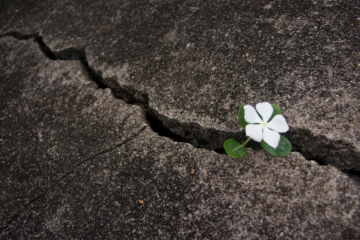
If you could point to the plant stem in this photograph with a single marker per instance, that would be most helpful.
(247, 140)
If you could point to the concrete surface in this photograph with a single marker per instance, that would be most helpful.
(80, 142)
(198, 61)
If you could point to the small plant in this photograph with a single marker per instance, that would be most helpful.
(263, 125)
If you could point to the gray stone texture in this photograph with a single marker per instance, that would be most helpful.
(76, 159)
(198, 61)
(53, 120)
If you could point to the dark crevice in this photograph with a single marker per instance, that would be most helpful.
(19, 36)
(296, 148)
(45, 49)
(317, 160)
(80, 55)
(159, 127)
(189, 132)
(354, 175)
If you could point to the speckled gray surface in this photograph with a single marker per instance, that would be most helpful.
(198, 61)
(76, 160)
(52, 120)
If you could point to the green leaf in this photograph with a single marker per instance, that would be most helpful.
(282, 150)
(241, 115)
(234, 148)
(276, 111)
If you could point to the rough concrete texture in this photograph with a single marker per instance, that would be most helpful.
(76, 162)
(198, 61)
(53, 119)
(81, 161)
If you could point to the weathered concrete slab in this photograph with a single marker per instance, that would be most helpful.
(198, 61)
(76, 161)
(52, 120)
(256, 198)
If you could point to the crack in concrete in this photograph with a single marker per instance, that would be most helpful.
(73, 169)
(86, 160)
(189, 132)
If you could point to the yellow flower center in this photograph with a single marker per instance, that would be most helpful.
(264, 123)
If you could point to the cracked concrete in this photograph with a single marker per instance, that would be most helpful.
(193, 133)
(76, 160)
(199, 61)
(42, 119)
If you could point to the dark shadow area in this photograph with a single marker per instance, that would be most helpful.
(19, 36)
(158, 127)
(353, 174)
(45, 49)
(296, 148)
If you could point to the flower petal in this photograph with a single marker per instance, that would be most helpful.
(278, 123)
(265, 109)
(271, 137)
(254, 131)
(251, 115)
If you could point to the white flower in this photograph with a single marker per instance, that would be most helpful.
(258, 129)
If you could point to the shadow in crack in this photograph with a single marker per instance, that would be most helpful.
(157, 126)
(354, 176)
(296, 148)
